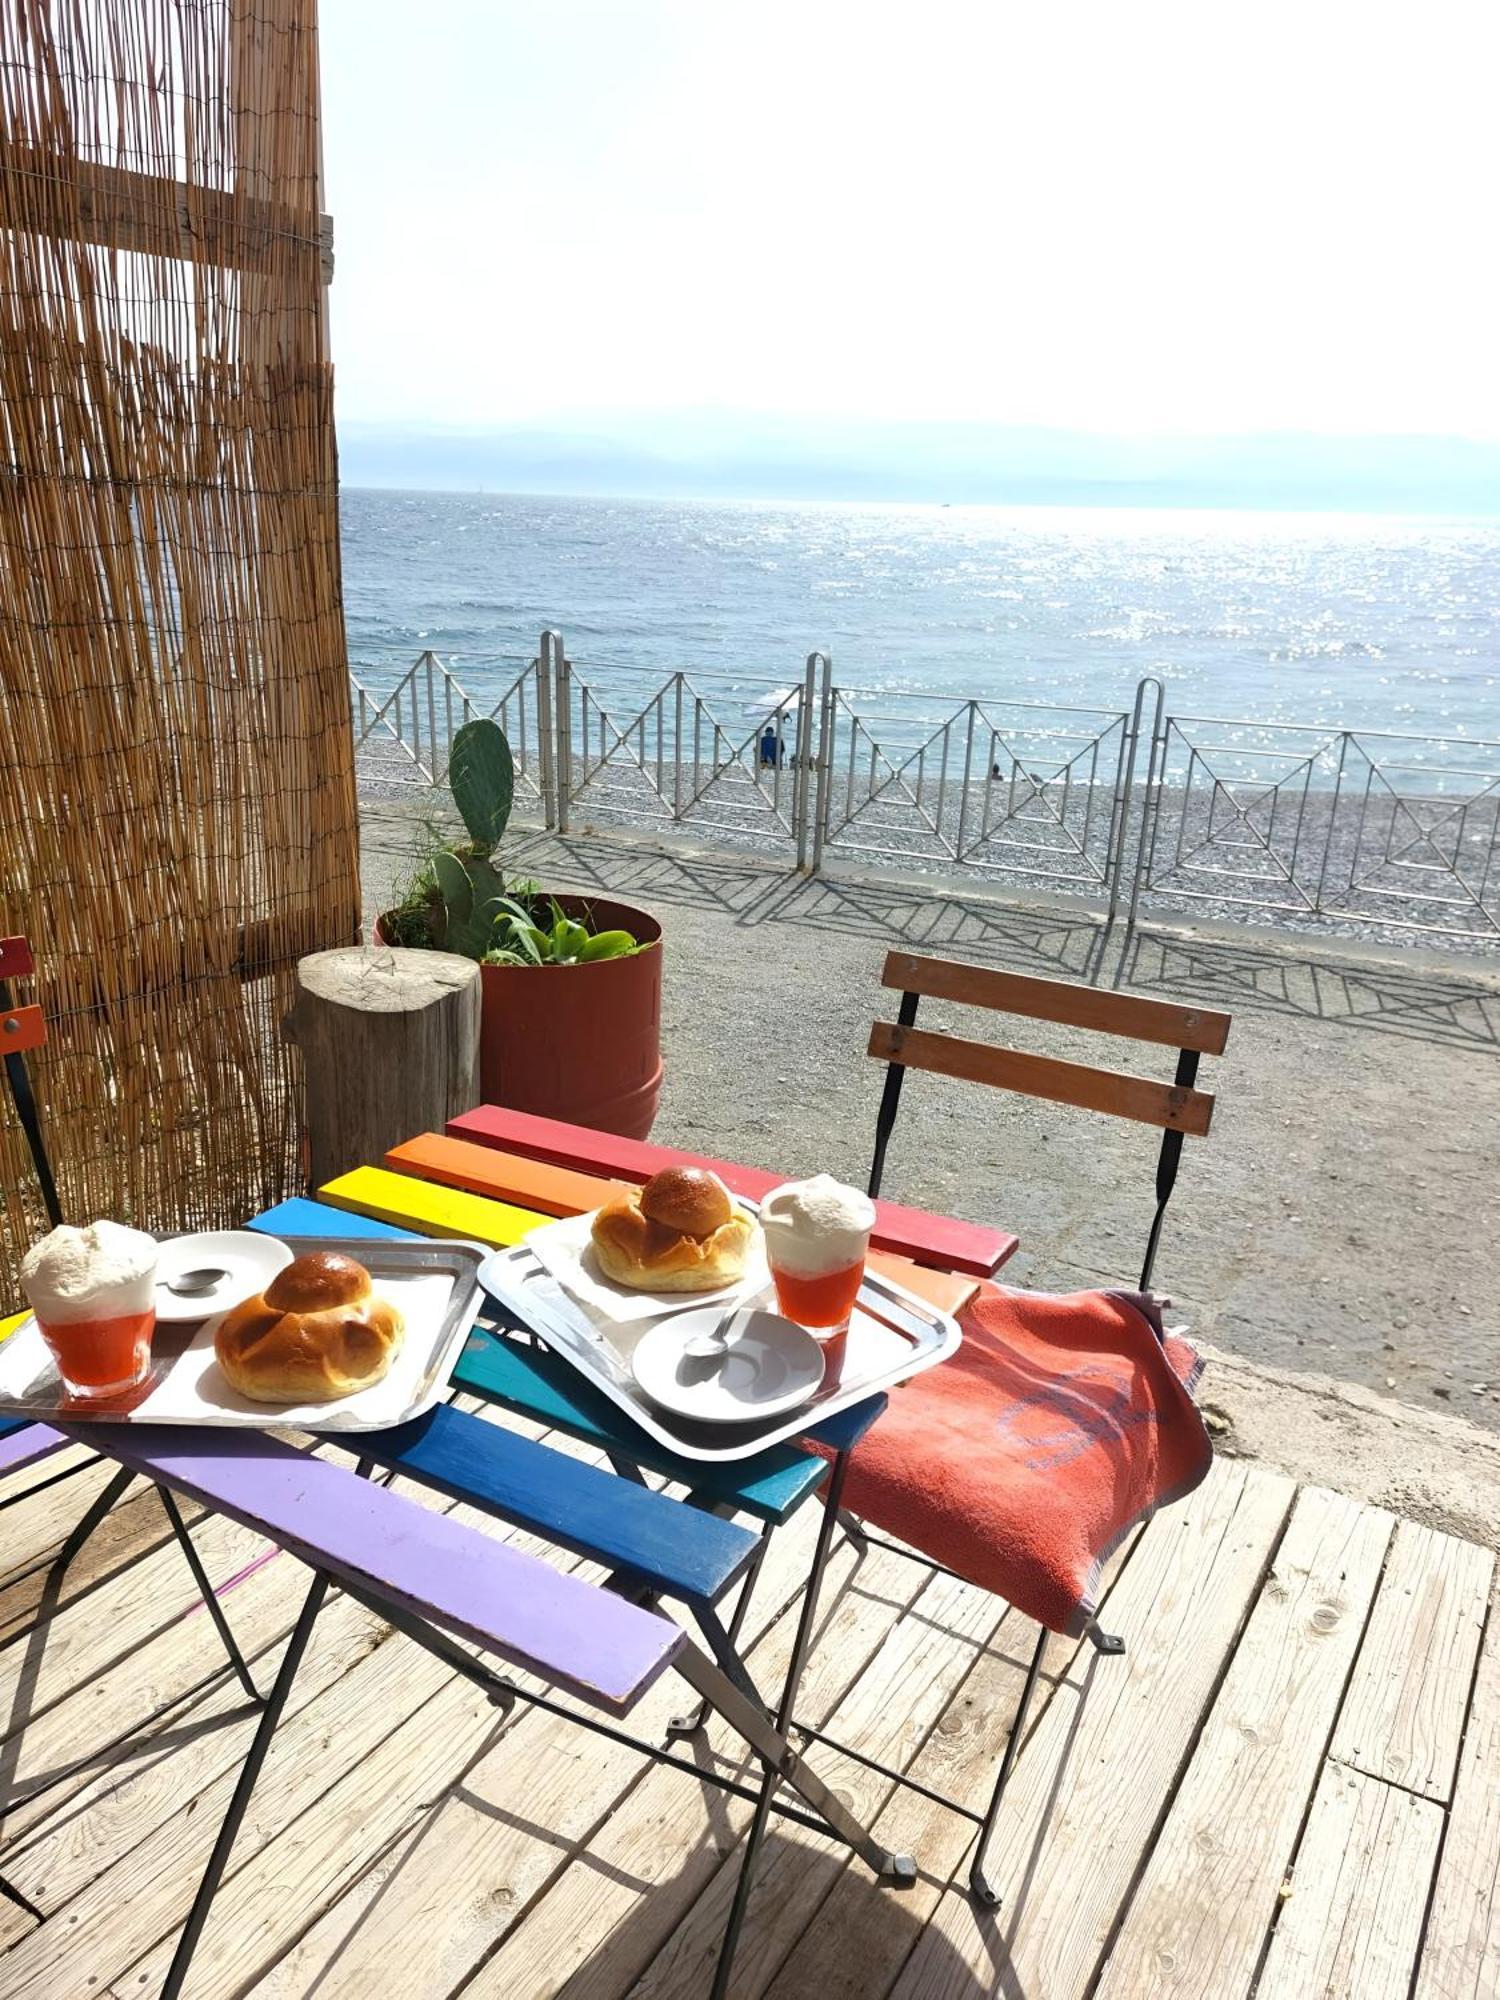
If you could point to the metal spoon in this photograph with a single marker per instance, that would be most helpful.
(193, 1284)
(713, 1345)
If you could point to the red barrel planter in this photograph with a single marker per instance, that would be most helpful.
(578, 1042)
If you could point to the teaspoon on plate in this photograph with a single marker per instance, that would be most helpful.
(193, 1284)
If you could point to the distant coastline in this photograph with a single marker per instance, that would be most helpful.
(709, 456)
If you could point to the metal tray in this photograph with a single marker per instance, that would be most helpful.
(894, 1335)
(30, 1386)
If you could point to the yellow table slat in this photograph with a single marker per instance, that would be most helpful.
(9, 1325)
(430, 1209)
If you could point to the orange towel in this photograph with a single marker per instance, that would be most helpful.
(1022, 1461)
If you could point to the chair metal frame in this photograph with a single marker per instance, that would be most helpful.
(1179, 1108)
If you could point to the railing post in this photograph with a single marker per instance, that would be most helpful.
(562, 702)
(802, 793)
(677, 749)
(545, 748)
(1145, 847)
(824, 763)
(429, 661)
(963, 796)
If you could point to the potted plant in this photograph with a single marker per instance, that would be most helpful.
(571, 1022)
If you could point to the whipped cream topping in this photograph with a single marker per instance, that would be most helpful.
(816, 1225)
(102, 1272)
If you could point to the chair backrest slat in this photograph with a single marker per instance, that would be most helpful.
(1174, 1107)
(1200, 1028)
(21, 1028)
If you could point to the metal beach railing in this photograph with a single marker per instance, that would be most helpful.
(1136, 807)
(1324, 824)
(403, 736)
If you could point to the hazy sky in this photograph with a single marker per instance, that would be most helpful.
(1137, 215)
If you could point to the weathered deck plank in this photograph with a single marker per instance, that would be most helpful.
(1403, 1716)
(492, 1843)
(1199, 1920)
(887, 1713)
(1083, 1803)
(541, 1863)
(860, 1937)
(611, 1911)
(1461, 1951)
(1353, 1921)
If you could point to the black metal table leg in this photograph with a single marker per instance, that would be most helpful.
(207, 1593)
(85, 1525)
(250, 1771)
(693, 1721)
(900, 1868)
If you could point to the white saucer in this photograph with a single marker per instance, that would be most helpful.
(250, 1259)
(772, 1365)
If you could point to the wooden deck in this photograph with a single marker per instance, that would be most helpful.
(1288, 1786)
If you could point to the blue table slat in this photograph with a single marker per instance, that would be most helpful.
(673, 1548)
(299, 1217)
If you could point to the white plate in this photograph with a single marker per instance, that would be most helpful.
(771, 1366)
(249, 1259)
(566, 1248)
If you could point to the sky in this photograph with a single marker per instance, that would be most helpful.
(1145, 218)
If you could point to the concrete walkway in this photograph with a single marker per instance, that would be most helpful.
(1341, 1219)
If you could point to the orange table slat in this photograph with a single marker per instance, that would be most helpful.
(503, 1176)
(908, 1232)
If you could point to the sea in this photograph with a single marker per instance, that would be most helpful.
(1365, 622)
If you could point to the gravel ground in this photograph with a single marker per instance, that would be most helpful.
(1340, 1219)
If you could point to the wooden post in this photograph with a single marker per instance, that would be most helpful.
(390, 1047)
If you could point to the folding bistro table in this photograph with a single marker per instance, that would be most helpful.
(441, 1582)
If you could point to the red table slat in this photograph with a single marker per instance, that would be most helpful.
(909, 1232)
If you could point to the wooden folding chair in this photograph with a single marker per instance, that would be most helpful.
(1179, 1108)
(23, 1028)
(22, 1443)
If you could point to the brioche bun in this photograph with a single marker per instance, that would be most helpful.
(679, 1233)
(316, 1333)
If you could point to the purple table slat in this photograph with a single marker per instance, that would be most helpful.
(25, 1446)
(556, 1626)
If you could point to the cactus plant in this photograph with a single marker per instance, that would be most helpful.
(482, 778)
(458, 901)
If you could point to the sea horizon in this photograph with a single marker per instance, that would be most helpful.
(1219, 510)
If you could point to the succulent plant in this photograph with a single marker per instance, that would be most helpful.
(458, 900)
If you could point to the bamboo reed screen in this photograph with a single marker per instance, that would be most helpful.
(177, 816)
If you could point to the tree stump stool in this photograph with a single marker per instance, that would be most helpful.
(390, 1048)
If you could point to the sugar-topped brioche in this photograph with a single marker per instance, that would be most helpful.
(681, 1232)
(316, 1333)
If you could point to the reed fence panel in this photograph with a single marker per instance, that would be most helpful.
(177, 800)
